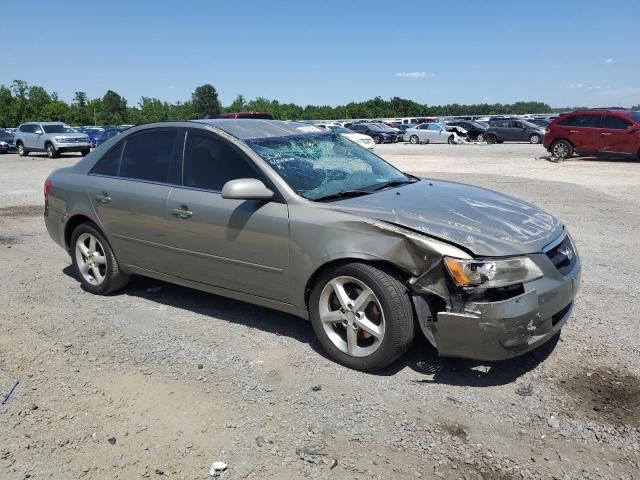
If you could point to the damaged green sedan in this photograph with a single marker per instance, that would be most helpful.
(291, 217)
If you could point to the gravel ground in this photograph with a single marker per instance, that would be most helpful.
(159, 381)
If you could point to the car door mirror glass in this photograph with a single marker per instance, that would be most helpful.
(246, 189)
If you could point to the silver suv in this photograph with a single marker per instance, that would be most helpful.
(51, 137)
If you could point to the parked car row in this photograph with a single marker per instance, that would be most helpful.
(54, 138)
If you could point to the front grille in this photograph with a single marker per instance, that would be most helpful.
(560, 315)
(563, 255)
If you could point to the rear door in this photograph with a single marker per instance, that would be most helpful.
(129, 188)
(582, 130)
(615, 138)
(501, 129)
(241, 245)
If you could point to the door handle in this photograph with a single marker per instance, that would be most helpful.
(574, 131)
(103, 198)
(182, 212)
(605, 133)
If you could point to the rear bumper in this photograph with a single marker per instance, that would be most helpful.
(505, 329)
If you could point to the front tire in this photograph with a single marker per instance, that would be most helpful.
(94, 262)
(377, 139)
(491, 139)
(562, 149)
(535, 139)
(21, 150)
(362, 315)
(51, 151)
(480, 138)
(85, 152)
(450, 140)
(414, 139)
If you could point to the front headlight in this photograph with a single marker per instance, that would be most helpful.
(492, 273)
(4, 144)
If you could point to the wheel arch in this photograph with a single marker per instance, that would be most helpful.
(73, 222)
(562, 138)
(359, 258)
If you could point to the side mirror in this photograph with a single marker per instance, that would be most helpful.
(246, 189)
(38, 132)
(633, 129)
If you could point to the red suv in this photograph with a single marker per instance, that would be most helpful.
(612, 132)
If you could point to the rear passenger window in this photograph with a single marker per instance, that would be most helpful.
(615, 123)
(210, 162)
(590, 121)
(151, 156)
(110, 163)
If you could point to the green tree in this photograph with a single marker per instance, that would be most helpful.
(204, 102)
(7, 118)
(238, 105)
(114, 108)
(79, 112)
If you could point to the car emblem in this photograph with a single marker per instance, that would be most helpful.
(568, 252)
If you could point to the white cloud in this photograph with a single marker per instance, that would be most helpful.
(609, 60)
(415, 74)
(576, 85)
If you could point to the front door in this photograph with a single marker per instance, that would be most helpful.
(241, 245)
(583, 130)
(615, 138)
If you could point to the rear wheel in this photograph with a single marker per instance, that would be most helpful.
(414, 139)
(94, 262)
(491, 139)
(21, 150)
(51, 151)
(562, 149)
(480, 138)
(535, 138)
(362, 316)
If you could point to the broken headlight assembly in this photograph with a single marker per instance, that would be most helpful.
(492, 273)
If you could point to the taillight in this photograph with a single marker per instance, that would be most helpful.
(547, 131)
(47, 188)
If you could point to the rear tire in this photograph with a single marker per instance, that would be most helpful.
(414, 139)
(562, 149)
(480, 138)
(491, 139)
(386, 315)
(94, 262)
(51, 151)
(23, 152)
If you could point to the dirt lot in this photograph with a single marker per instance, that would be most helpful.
(159, 381)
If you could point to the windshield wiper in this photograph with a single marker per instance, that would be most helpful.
(343, 194)
(394, 183)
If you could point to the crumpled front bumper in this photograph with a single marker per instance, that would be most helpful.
(507, 328)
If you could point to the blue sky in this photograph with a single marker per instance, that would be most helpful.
(566, 53)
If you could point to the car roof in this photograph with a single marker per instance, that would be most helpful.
(248, 128)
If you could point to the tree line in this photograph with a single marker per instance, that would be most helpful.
(21, 102)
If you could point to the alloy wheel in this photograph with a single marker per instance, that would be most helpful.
(560, 150)
(534, 139)
(91, 259)
(352, 316)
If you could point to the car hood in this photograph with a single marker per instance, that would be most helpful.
(356, 136)
(484, 222)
